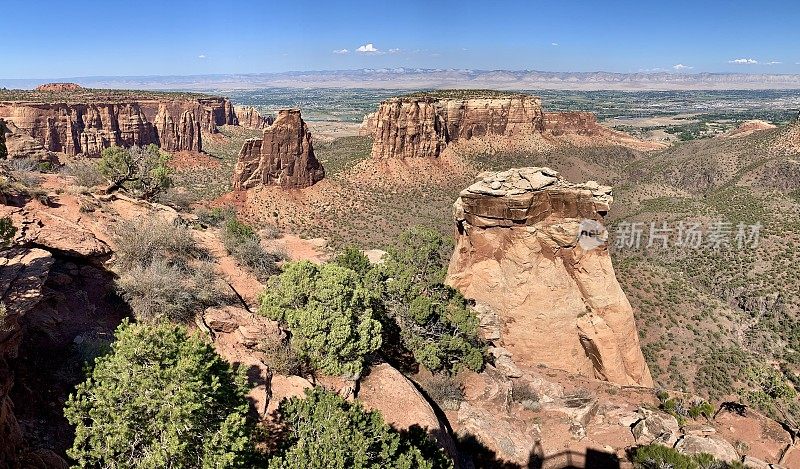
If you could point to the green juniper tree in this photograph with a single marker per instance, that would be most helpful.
(323, 431)
(161, 398)
(329, 313)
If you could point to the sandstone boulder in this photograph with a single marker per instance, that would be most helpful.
(385, 389)
(284, 156)
(237, 336)
(656, 427)
(715, 446)
(526, 248)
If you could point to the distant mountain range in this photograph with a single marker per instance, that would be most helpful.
(404, 78)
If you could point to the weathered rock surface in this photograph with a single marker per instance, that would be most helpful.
(250, 117)
(655, 427)
(717, 447)
(22, 275)
(87, 125)
(21, 145)
(238, 337)
(518, 253)
(423, 127)
(284, 156)
(385, 389)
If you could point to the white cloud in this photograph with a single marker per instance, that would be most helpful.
(341, 51)
(682, 67)
(394, 51)
(367, 48)
(743, 61)
(554, 44)
(201, 56)
(774, 62)
(657, 69)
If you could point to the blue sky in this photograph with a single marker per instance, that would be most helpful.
(46, 39)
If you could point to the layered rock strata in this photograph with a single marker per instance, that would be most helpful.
(250, 117)
(423, 127)
(93, 124)
(520, 252)
(284, 156)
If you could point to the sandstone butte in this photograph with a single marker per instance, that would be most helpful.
(408, 127)
(557, 304)
(87, 123)
(283, 156)
(423, 126)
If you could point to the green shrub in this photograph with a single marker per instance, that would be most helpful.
(352, 258)
(656, 456)
(435, 322)
(142, 172)
(323, 431)
(7, 231)
(161, 398)
(329, 313)
(242, 242)
(215, 216)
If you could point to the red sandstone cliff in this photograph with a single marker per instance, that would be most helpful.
(557, 300)
(423, 127)
(284, 156)
(89, 125)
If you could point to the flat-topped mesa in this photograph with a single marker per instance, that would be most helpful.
(423, 125)
(530, 246)
(284, 156)
(250, 117)
(58, 87)
(89, 121)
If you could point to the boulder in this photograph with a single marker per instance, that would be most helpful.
(285, 387)
(715, 446)
(655, 427)
(511, 439)
(538, 259)
(385, 389)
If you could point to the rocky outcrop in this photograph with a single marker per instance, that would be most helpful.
(284, 156)
(530, 246)
(385, 389)
(22, 275)
(20, 145)
(249, 117)
(581, 123)
(89, 124)
(411, 127)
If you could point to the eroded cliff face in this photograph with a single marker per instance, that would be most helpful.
(284, 156)
(557, 300)
(423, 127)
(91, 126)
(250, 117)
